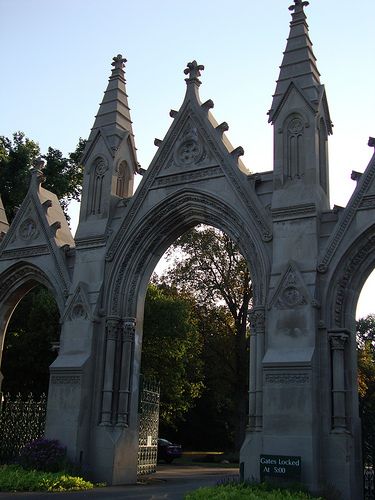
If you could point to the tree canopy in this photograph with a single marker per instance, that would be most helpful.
(171, 351)
(209, 265)
(63, 176)
(366, 385)
(28, 353)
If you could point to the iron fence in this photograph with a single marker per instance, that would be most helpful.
(148, 427)
(22, 419)
(369, 484)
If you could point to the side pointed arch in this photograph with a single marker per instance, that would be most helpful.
(347, 279)
(16, 282)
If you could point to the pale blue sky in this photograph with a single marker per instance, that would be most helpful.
(56, 60)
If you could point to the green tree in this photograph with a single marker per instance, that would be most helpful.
(212, 422)
(28, 352)
(35, 322)
(366, 385)
(209, 265)
(171, 352)
(63, 176)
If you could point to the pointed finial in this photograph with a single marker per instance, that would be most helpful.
(36, 170)
(119, 62)
(193, 70)
(298, 6)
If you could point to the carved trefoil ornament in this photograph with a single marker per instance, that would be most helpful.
(189, 149)
(291, 291)
(28, 229)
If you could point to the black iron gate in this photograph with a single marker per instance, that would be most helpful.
(369, 486)
(149, 402)
(22, 419)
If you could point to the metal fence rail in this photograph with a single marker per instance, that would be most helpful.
(148, 427)
(21, 420)
(369, 484)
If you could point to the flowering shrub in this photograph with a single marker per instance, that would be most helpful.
(43, 454)
(14, 478)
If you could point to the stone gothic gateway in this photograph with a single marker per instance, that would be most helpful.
(308, 264)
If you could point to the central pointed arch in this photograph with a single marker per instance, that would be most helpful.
(135, 259)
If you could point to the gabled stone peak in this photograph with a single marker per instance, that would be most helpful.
(193, 70)
(299, 63)
(113, 120)
(49, 209)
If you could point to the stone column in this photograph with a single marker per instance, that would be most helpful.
(257, 321)
(252, 372)
(126, 370)
(112, 335)
(338, 340)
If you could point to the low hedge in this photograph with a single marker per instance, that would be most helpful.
(246, 492)
(16, 478)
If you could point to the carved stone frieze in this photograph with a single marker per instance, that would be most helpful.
(294, 212)
(65, 379)
(186, 177)
(21, 253)
(287, 378)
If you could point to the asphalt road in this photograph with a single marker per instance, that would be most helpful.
(171, 482)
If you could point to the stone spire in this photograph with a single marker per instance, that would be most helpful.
(299, 63)
(109, 159)
(113, 118)
(301, 121)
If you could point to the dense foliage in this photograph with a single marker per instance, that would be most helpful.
(28, 353)
(63, 176)
(207, 264)
(366, 385)
(171, 351)
(15, 478)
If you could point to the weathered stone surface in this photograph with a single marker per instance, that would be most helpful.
(308, 264)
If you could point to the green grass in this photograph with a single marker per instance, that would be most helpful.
(246, 492)
(15, 478)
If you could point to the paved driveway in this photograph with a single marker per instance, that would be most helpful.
(171, 482)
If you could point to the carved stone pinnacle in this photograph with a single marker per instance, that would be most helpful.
(119, 62)
(193, 70)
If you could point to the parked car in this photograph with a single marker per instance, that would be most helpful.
(167, 451)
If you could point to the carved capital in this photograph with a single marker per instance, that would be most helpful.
(338, 340)
(113, 328)
(128, 330)
(257, 319)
